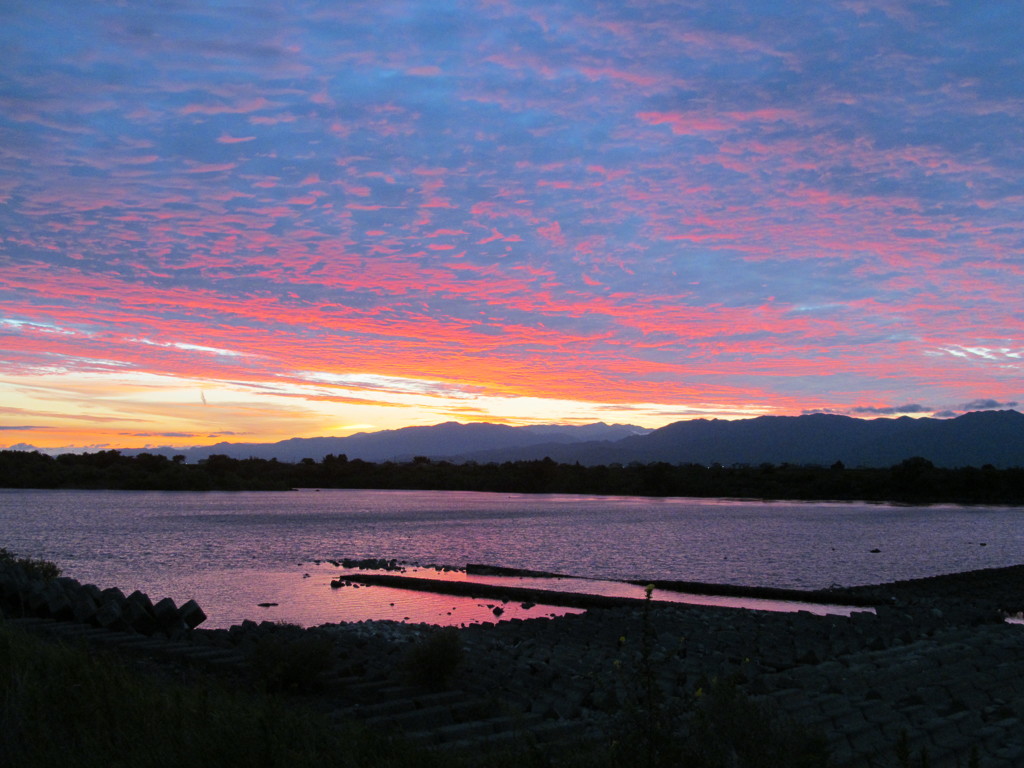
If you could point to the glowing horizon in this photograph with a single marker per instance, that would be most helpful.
(270, 222)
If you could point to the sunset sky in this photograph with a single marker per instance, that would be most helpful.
(252, 221)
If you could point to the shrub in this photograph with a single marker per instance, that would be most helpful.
(60, 705)
(730, 729)
(432, 661)
(33, 568)
(296, 663)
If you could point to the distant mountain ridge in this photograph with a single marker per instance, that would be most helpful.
(439, 441)
(974, 439)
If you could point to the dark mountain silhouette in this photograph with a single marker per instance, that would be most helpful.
(974, 439)
(438, 441)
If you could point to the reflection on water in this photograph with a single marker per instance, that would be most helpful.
(304, 596)
(610, 588)
(232, 551)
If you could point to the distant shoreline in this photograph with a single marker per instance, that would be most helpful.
(913, 481)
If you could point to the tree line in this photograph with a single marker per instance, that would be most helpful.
(915, 480)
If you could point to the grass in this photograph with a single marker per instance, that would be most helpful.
(433, 660)
(294, 663)
(720, 727)
(61, 706)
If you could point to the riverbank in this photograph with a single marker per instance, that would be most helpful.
(935, 672)
(913, 480)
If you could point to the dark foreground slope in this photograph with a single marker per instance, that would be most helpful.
(934, 677)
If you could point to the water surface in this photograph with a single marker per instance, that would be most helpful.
(232, 551)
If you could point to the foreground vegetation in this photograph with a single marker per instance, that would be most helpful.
(60, 706)
(914, 480)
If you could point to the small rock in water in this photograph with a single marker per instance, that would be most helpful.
(497, 611)
(266, 605)
(875, 551)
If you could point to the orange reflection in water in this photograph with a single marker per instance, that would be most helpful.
(610, 588)
(305, 597)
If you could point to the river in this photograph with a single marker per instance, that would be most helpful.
(234, 551)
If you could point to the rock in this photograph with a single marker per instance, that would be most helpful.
(34, 598)
(142, 599)
(83, 608)
(193, 615)
(111, 616)
(168, 618)
(57, 604)
(139, 615)
(69, 585)
(94, 592)
(164, 609)
(113, 593)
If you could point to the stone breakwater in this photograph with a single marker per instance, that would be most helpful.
(951, 681)
(66, 599)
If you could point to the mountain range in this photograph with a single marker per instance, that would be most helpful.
(450, 440)
(973, 439)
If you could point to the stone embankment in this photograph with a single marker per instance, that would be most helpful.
(950, 682)
(66, 599)
(935, 672)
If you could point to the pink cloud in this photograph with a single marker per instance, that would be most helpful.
(424, 71)
(227, 139)
(682, 123)
(245, 106)
(194, 167)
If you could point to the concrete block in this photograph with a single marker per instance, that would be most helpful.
(192, 614)
(110, 615)
(139, 617)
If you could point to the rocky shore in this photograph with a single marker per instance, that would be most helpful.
(935, 672)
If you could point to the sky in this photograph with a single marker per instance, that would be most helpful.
(249, 221)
